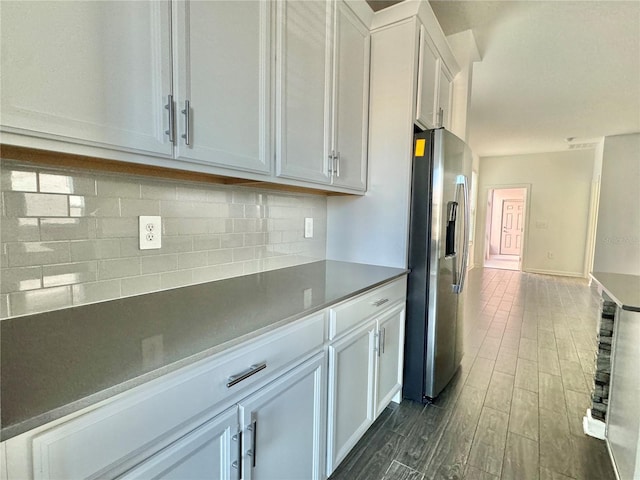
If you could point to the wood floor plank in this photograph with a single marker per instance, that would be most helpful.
(403, 418)
(566, 349)
(418, 448)
(573, 376)
(556, 451)
(546, 474)
(551, 394)
(487, 450)
(523, 419)
(530, 329)
(577, 404)
(520, 459)
(592, 459)
(473, 473)
(500, 391)
(527, 375)
(489, 348)
(528, 349)
(547, 339)
(548, 361)
(480, 374)
(397, 471)
(506, 363)
(451, 454)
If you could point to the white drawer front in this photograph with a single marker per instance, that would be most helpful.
(104, 442)
(350, 313)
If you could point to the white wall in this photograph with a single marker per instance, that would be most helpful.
(558, 207)
(618, 233)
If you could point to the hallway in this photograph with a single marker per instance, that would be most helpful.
(514, 409)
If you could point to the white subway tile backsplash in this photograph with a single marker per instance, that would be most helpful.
(119, 268)
(192, 260)
(20, 278)
(117, 227)
(94, 249)
(19, 229)
(37, 253)
(139, 285)
(18, 204)
(84, 206)
(34, 301)
(118, 187)
(206, 242)
(18, 180)
(54, 183)
(159, 263)
(75, 234)
(216, 257)
(69, 273)
(135, 207)
(67, 228)
(96, 291)
(175, 279)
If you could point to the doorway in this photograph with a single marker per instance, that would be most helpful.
(505, 228)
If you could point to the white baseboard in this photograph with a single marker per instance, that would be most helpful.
(592, 427)
(553, 272)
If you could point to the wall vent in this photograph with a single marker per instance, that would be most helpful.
(582, 146)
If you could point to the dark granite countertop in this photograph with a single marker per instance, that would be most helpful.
(623, 289)
(55, 363)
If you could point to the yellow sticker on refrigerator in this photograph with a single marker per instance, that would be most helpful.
(420, 147)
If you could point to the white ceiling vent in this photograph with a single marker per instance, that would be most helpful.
(581, 143)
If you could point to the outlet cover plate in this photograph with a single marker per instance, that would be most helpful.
(150, 230)
(308, 227)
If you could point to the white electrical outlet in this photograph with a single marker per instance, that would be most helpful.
(308, 227)
(150, 232)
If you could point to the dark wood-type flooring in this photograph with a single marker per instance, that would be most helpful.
(514, 409)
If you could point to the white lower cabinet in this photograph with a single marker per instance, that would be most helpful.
(282, 436)
(209, 452)
(365, 366)
(390, 357)
(351, 388)
(283, 426)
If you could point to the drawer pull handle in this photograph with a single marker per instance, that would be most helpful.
(252, 370)
(381, 302)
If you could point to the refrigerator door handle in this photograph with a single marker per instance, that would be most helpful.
(462, 181)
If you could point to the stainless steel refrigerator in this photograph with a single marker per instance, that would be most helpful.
(438, 251)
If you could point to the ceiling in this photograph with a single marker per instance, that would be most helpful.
(550, 70)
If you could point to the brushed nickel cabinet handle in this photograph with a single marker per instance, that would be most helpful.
(382, 301)
(187, 122)
(170, 108)
(239, 377)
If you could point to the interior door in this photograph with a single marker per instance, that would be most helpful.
(511, 236)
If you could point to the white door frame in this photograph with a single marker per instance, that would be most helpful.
(485, 238)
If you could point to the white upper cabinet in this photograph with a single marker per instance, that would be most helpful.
(444, 97)
(428, 77)
(433, 107)
(351, 100)
(222, 83)
(322, 94)
(304, 90)
(96, 73)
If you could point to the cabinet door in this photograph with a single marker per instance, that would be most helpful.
(351, 386)
(428, 76)
(96, 73)
(304, 90)
(223, 68)
(444, 97)
(390, 356)
(351, 99)
(283, 434)
(209, 452)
